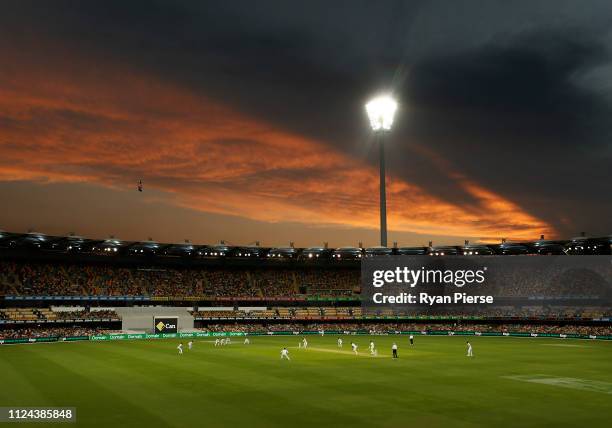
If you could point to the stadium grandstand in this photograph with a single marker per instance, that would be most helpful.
(58, 287)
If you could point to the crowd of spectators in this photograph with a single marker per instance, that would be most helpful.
(381, 328)
(47, 314)
(107, 280)
(59, 332)
(59, 279)
(85, 314)
(531, 311)
(344, 281)
(66, 279)
(556, 279)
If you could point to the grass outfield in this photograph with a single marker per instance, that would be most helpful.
(509, 382)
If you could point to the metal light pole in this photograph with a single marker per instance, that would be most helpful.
(383, 193)
(381, 111)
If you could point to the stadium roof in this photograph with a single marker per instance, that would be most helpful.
(78, 243)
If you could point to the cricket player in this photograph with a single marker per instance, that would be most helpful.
(411, 339)
(339, 342)
(285, 354)
(217, 342)
(469, 349)
(247, 341)
(372, 347)
(354, 347)
(180, 348)
(394, 350)
(305, 343)
(190, 345)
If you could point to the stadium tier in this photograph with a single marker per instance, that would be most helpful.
(48, 315)
(58, 322)
(92, 279)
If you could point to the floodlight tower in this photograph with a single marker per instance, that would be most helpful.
(381, 111)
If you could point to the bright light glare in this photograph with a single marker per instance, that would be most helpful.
(381, 111)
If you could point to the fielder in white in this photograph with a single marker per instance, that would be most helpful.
(339, 342)
(189, 345)
(469, 349)
(217, 342)
(247, 341)
(372, 347)
(305, 343)
(285, 354)
(354, 347)
(180, 348)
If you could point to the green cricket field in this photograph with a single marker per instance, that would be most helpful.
(509, 382)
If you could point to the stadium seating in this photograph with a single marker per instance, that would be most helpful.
(108, 280)
(319, 295)
(46, 314)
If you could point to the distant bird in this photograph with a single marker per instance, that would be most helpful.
(140, 186)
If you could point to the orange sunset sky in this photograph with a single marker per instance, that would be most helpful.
(84, 117)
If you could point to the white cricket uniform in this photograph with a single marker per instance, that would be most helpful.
(354, 346)
(180, 349)
(216, 342)
(371, 347)
(305, 343)
(285, 354)
(469, 350)
(339, 343)
(190, 345)
(247, 341)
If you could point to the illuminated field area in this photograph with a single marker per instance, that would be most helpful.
(509, 382)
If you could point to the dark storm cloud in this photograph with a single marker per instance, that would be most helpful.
(490, 91)
(514, 118)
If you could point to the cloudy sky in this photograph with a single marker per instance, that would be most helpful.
(245, 119)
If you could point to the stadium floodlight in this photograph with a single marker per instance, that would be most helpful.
(381, 111)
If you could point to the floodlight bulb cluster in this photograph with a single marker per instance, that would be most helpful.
(381, 111)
